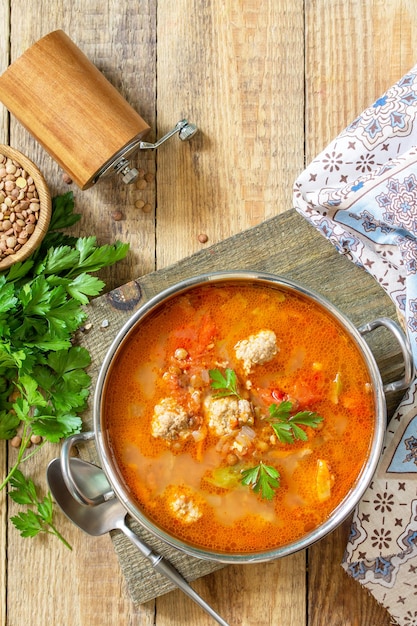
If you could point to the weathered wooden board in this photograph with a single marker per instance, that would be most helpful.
(286, 245)
(4, 57)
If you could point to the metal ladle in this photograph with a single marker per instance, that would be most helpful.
(110, 515)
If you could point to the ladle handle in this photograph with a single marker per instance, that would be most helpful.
(68, 476)
(168, 570)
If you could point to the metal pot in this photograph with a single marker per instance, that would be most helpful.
(120, 491)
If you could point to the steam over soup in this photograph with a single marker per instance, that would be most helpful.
(239, 416)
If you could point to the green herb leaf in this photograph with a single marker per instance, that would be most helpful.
(18, 270)
(10, 359)
(287, 426)
(8, 424)
(23, 489)
(63, 362)
(45, 508)
(227, 384)
(62, 212)
(29, 522)
(56, 427)
(7, 296)
(41, 307)
(263, 479)
(29, 389)
(84, 286)
(59, 259)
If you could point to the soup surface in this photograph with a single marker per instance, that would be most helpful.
(239, 416)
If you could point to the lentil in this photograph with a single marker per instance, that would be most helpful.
(141, 184)
(19, 206)
(202, 238)
(16, 441)
(181, 354)
(117, 216)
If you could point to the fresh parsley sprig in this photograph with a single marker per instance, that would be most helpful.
(227, 384)
(43, 383)
(263, 479)
(287, 426)
(38, 517)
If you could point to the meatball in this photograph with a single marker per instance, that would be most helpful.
(226, 414)
(256, 349)
(184, 508)
(171, 421)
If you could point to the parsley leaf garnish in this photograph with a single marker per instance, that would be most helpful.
(43, 383)
(287, 426)
(227, 384)
(264, 479)
(38, 519)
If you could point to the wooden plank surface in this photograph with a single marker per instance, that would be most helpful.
(4, 60)
(233, 68)
(269, 83)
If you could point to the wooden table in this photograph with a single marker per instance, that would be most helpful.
(269, 83)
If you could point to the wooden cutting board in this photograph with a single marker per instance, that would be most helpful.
(285, 245)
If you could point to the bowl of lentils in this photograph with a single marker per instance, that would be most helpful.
(25, 207)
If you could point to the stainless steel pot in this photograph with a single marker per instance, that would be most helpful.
(120, 491)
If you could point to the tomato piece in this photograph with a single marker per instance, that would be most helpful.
(269, 396)
(195, 337)
(309, 391)
(206, 332)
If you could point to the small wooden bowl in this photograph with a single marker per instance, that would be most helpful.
(45, 208)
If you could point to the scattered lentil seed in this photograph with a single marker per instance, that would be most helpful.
(139, 204)
(16, 441)
(149, 177)
(147, 208)
(202, 238)
(66, 178)
(141, 184)
(18, 193)
(117, 216)
(36, 439)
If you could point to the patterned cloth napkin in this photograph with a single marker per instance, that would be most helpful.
(361, 193)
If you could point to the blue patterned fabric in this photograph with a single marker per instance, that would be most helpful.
(361, 194)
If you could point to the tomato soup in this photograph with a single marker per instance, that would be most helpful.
(239, 416)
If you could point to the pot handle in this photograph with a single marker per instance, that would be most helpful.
(390, 325)
(67, 474)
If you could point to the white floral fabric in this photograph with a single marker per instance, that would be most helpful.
(361, 194)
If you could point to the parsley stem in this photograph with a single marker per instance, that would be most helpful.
(23, 446)
(34, 451)
(20, 458)
(55, 531)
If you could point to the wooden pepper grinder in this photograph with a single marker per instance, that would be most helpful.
(73, 111)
